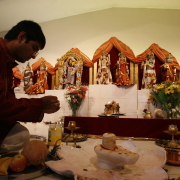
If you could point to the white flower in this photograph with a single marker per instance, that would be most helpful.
(173, 110)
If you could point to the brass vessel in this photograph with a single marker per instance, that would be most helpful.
(173, 130)
(173, 156)
(148, 112)
(148, 115)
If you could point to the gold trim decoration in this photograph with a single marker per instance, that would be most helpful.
(132, 72)
(136, 76)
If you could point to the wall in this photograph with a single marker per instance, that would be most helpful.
(137, 28)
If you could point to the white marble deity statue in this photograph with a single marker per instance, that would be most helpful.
(27, 74)
(104, 74)
(149, 73)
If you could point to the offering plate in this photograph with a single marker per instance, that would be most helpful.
(70, 138)
(30, 172)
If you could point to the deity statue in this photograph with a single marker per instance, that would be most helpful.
(104, 74)
(149, 73)
(71, 72)
(41, 85)
(20, 88)
(121, 69)
(168, 69)
(27, 74)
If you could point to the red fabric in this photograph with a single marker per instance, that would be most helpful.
(126, 127)
(85, 76)
(159, 52)
(12, 109)
(16, 82)
(49, 78)
(114, 42)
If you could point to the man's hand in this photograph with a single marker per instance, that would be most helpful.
(50, 104)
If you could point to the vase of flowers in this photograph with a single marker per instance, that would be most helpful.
(74, 96)
(167, 95)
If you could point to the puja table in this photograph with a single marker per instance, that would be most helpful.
(173, 171)
(125, 127)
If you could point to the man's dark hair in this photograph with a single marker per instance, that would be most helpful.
(32, 29)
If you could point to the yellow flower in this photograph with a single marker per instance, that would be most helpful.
(160, 87)
(169, 105)
(167, 91)
(172, 91)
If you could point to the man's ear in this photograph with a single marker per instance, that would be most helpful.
(22, 36)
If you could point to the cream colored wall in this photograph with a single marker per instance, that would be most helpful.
(137, 28)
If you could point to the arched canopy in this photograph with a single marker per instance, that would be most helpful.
(87, 62)
(36, 66)
(108, 45)
(159, 52)
(17, 73)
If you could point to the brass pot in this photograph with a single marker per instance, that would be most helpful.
(173, 156)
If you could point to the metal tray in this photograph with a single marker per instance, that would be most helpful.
(164, 143)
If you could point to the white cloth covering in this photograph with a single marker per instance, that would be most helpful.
(16, 139)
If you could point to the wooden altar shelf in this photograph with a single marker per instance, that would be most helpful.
(126, 127)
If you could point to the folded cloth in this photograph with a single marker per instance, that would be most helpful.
(4, 165)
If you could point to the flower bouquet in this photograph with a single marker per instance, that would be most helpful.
(167, 95)
(75, 97)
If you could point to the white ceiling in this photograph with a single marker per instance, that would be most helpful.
(13, 11)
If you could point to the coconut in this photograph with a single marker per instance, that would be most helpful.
(35, 151)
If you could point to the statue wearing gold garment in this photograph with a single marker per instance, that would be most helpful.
(104, 74)
(149, 73)
(168, 69)
(122, 71)
(41, 85)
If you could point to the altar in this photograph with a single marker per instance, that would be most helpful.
(131, 125)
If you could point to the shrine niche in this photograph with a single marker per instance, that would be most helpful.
(114, 48)
(159, 55)
(72, 69)
(42, 65)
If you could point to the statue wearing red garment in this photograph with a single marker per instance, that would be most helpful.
(41, 85)
(122, 71)
(168, 69)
